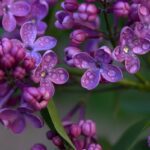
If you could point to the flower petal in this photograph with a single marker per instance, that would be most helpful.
(8, 114)
(132, 64)
(44, 43)
(49, 60)
(46, 83)
(118, 54)
(102, 56)
(58, 75)
(7, 2)
(41, 27)
(111, 73)
(36, 121)
(9, 22)
(18, 125)
(28, 33)
(37, 56)
(142, 48)
(1, 9)
(83, 61)
(20, 8)
(91, 79)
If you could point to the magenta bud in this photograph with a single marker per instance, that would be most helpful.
(29, 63)
(19, 73)
(64, 20)
(94, 147)
(50, 135)
(18, 53)
(38, 147)
(75, 130)
(6, 46)
(79, 144)
(58, 141)
(70, 5)
(87, 12)
(121, 9)
(88, 128)
(78, 36)
(8, 61)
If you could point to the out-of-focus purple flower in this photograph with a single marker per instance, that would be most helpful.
(87, 12)
(46, 74)
(38, 147)
(70, 52)
(94, 147)
(97, 67)
(70, 5)
(9, 9)
(148, 140)
(38, 12)
(28, 34)
(121, 8)
(16, 120)
(130, 45)
(64, 20)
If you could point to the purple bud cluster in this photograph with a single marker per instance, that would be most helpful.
(27, 63)
(82, 134)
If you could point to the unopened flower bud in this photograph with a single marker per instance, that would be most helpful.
(58, 141)
(88, 128)
(148, 140)
(8, 60)
(29, 63)
(38, 147)
(19, 73)
(50, 135)
(64, 20)
(70, 5)
(121, 9)
(75, 130)
(37, 97)
(5, 46)
(94, 147)
(78, 36)
(87, 12)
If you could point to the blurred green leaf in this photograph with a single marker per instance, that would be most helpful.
(141, 145)
(128, 139)
(52, 119)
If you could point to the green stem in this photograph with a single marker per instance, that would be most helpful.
(140, 78)
(108, 25)
(144, 85)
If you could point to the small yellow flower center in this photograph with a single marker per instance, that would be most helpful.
(33, 20)
(43, 74)
(126, 49)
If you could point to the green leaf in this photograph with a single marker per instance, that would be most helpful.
(141, 145)
(128, 139)
(53, 121)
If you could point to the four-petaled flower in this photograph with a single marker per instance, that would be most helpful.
(28, 34)
(46, 74)
(97, 67)
(130, 45)
(15, 120)
(9, 9)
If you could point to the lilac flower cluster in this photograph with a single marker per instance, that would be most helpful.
(82, 133)
(27, 72)
(83, 19)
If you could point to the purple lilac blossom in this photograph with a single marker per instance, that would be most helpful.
(97, 67)
(9, 9)
(28, 35)
(130, 46)
(46, 74)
